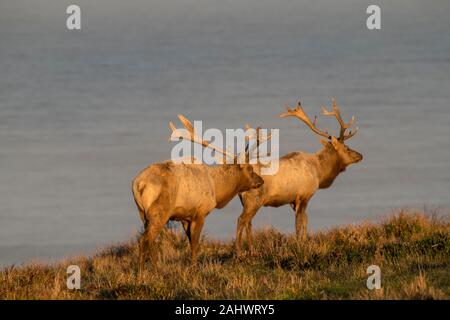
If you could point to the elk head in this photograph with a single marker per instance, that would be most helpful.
(337, 145)
(247, 176)
(249, 179)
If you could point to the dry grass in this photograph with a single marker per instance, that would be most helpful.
(412, 250)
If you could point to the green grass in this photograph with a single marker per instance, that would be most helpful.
(411, 248)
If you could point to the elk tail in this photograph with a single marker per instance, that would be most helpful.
(145, 193)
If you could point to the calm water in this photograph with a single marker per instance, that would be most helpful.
(81, 112)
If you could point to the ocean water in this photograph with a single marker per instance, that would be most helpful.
(82, 112)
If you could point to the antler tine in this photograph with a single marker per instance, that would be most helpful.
(175, 132)
(256, 134)
(350, 134)
(187, 124)
(248, 127)
(194, 138)
(315, 121)
(337, 114)
(299, 113)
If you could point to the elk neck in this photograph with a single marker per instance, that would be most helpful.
(226, 182)
(329, 166)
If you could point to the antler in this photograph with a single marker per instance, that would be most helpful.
(344, 126)
(191, 136)
(300, 114)
(249, 150)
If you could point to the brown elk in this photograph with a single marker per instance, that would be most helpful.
(299, 175)
(186, 192)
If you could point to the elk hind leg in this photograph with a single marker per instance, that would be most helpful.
(187, 228)
(147, 243)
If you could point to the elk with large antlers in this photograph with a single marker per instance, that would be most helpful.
(300, 175)
(186, 192)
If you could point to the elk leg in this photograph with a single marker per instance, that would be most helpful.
(305, 220)
(148, 243)
(301, 220)
(305, 223)
(240, 229)
(245, 221)
(248, 232)
(142, 253)
(187, 229)
(196, 227)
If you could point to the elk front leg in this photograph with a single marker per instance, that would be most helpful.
(245, 221)
(240, 229)
(248, 232)
(195, 228)
(301, 219)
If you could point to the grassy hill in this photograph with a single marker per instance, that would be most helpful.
(412, 249)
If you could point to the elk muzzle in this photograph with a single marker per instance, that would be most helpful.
(357, 157)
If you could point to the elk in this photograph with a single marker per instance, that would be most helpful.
(186, 192)
(299, 175)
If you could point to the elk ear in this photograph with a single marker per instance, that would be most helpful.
(335, 142)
